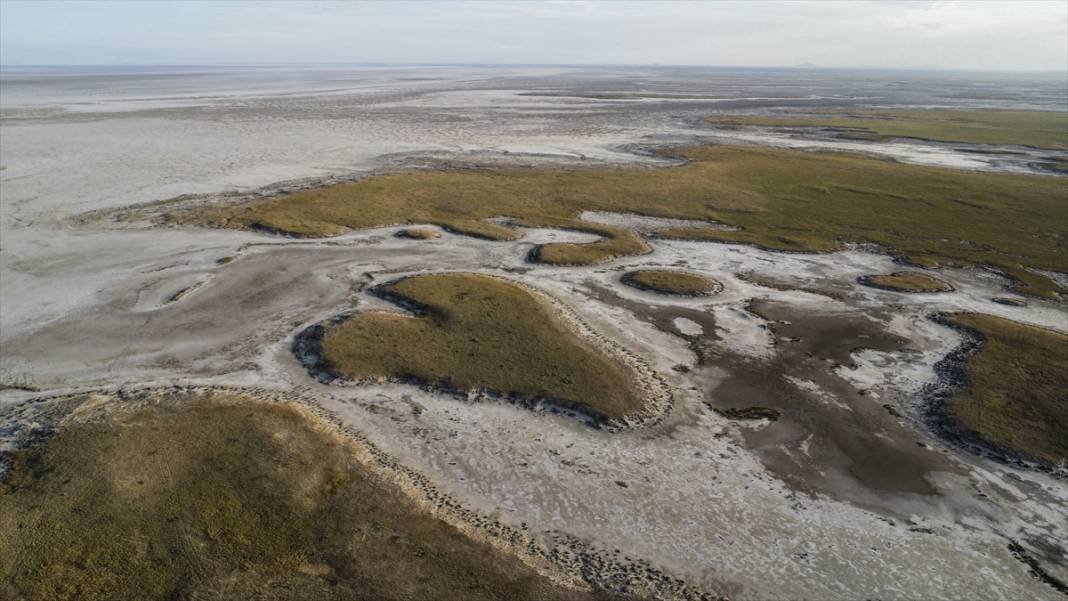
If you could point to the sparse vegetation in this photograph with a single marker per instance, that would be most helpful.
(475, 332)
(26, 387)
(1040, 129)
(418, 233)
(1016, 393)
(671, 282)
(617, 242)
(906, 281)
(229, 499)
(781, 199)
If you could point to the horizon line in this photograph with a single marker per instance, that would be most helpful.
(798, 67)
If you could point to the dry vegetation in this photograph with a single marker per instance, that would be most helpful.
(1040, 129)
(671, 282)
(475, 332)
(1016, 395)
(781, 199)
(748, 413)
(229, 499)
(906, 281)
(418, 233)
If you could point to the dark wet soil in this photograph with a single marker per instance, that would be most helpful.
(663, 317)
(837, 429)
(832, 439)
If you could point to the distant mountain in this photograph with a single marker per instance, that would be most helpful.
(807, 66)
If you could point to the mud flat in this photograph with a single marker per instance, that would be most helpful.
(821, 421)
(559, 476)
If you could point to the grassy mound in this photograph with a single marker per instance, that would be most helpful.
(906, 281)
(228, 499)
(1017, 388)
(475, 332)
(671, 282)
(416, 233)
(781, 199)
(1040, 129)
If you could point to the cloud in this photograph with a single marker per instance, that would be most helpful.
(968, 35)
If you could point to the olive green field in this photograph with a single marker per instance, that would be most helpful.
(480, 333)
(1016, 392)
(665, 281)
(779, 199)
(1039, 129)
(228, 498)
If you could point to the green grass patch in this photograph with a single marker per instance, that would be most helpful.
(1017, 388)
(781, 199)
(1039, 129)
(475, 332)
(666, 281)
(229, 499)
(906, 281)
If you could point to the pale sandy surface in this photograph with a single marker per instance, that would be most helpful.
(90, 305)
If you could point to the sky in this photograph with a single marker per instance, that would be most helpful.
(986, 35)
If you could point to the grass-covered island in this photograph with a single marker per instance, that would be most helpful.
(665, 281)
(418, 233)
(474, 332)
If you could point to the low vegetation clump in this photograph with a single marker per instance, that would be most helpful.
(415, 233)
(480, 333)
(666, 281)
(906, 281)
(779, 199)
(615, 242)
(750, 413)
(229, 499)
(1039, 129)
(1016, 392)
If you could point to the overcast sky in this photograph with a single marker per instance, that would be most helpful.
(967, 35)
